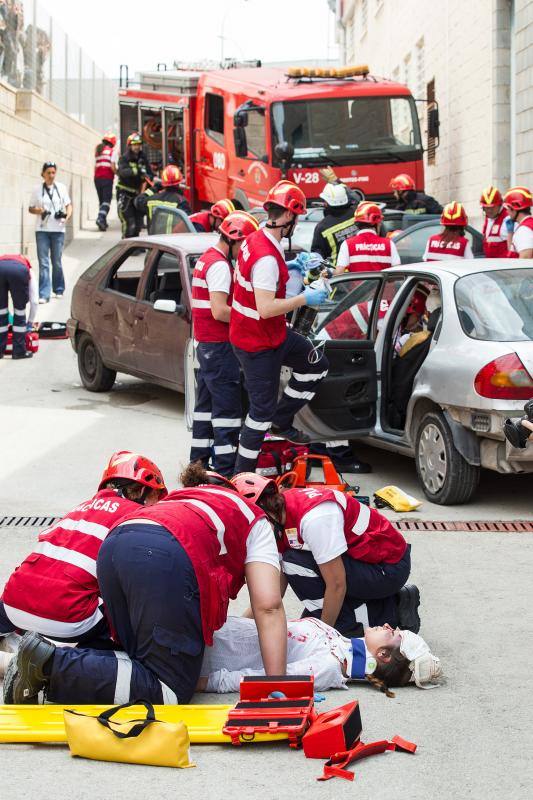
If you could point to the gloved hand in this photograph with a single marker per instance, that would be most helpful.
(304, 262)
(328, 173)
(315, 297)
(509, 225)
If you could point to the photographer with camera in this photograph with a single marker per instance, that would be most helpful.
(51, 204)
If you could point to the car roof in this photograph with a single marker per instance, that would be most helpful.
(188, 242)
(464, 266)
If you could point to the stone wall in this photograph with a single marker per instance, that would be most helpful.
(33, 130)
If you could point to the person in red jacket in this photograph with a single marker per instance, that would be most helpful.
(517, 202)
(217, 411)
(207, 221)
(344, 561)
(104, 175)
(367, 251)
(259, 334)
(495, 224)
(451, 243)
(167, 574)
(55, 591)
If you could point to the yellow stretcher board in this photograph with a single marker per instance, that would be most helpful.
(36, 724)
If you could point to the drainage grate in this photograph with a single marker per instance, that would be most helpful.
(27, 522)
(475, 526)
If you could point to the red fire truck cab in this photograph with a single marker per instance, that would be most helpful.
(235, 132)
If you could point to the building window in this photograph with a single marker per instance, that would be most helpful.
(214, 117)
(432, 142)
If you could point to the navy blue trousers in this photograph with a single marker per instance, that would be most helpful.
(262, 375)
(217, 413)
(104, 189)
(14, 280)
(152, 600)
(370, 589)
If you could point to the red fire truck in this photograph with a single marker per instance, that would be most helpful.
(235, 132)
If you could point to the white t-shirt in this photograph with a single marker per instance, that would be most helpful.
(522, 238)
(265, 271)
(322, 531)
(55, 199)
(343, 259)
(218, 277)
(313, 648)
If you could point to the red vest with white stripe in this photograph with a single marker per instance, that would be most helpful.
(206, 327)
(440, 250)
(247, 330)
(201, 218)
(526, 223)
(103, 163)
(57, 582)
(212, 525)
(494, 237)
(368, 252)
(369, 535)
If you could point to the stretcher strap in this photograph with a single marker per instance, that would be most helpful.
(335, 767)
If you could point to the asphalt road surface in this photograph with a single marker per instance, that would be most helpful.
(474, 733)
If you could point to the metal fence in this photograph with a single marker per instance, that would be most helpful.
(37, 54)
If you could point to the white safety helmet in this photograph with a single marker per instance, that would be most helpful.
(335, 194)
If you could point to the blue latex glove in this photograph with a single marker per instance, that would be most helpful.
(315, 297)
(304, 262)
(319, 697)
(509, 225)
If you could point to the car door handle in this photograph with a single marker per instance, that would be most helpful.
(241, 173)
(357, 359)
(139, 316)
(98, 301)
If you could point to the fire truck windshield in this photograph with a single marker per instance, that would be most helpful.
(349, 130)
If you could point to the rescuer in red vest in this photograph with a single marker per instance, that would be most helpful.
(259, 334)
(345, 561)
(367, 251)
(207, 221)
(104, 174)
(54, 591)
(495, 224)
(17, 280)
(451, 243)
(217, 415)
(166, 574)
(517, 203)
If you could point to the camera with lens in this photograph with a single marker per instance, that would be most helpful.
(305, 316)
(45, 215)
(60, 215)
(514, 430)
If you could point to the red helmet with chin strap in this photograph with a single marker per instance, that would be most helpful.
(222, 208)
(252, 486)
(517, 199)
(238, 225)
(134, 467)
(287, 195)
(402, 183)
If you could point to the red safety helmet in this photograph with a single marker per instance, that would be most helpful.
(134, 467)
(134, 138)
(402, 183)
(417, 304)
(491, 197)
(517, 199)
(454, 214)
(171, 176)
(252, 486)
(238, 225)
(109, 137)
(222, 208)
(287, 195)
(368, 212)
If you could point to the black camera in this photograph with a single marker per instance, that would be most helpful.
(514, 430)
(44, 215)
(60, 215)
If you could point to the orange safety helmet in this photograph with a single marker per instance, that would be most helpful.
(491, 197)
(171, 176)
(134, 138)
(134, 467)
(517, 199)
(252, 486)
(109, 137)
(287, 195)
(402, 183)
(454, 214)
(222, 208)
(238, 225)
(368, 212)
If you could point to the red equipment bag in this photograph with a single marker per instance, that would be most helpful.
(32, 342)
(277, 457)
(333, 731)
(53, 330)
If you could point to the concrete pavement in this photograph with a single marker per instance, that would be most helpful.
(474, 733)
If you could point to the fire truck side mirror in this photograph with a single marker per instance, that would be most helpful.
(241, 145)
(433, 122)
(284, 153)
(240, 118)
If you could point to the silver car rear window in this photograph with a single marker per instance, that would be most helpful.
(497, 306)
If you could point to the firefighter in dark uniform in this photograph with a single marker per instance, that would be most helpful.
(338, 223)
(133, 169)
(15, 277)
(169, 196)
(411, 201)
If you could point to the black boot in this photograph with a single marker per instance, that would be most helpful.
(408, 601)
(26, 354)
(291, 434)
(25, 675)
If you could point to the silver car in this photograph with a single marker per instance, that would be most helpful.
(440, 394)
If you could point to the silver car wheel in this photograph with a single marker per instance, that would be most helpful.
(432, 461)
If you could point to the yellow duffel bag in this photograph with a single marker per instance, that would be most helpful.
(139, 741)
